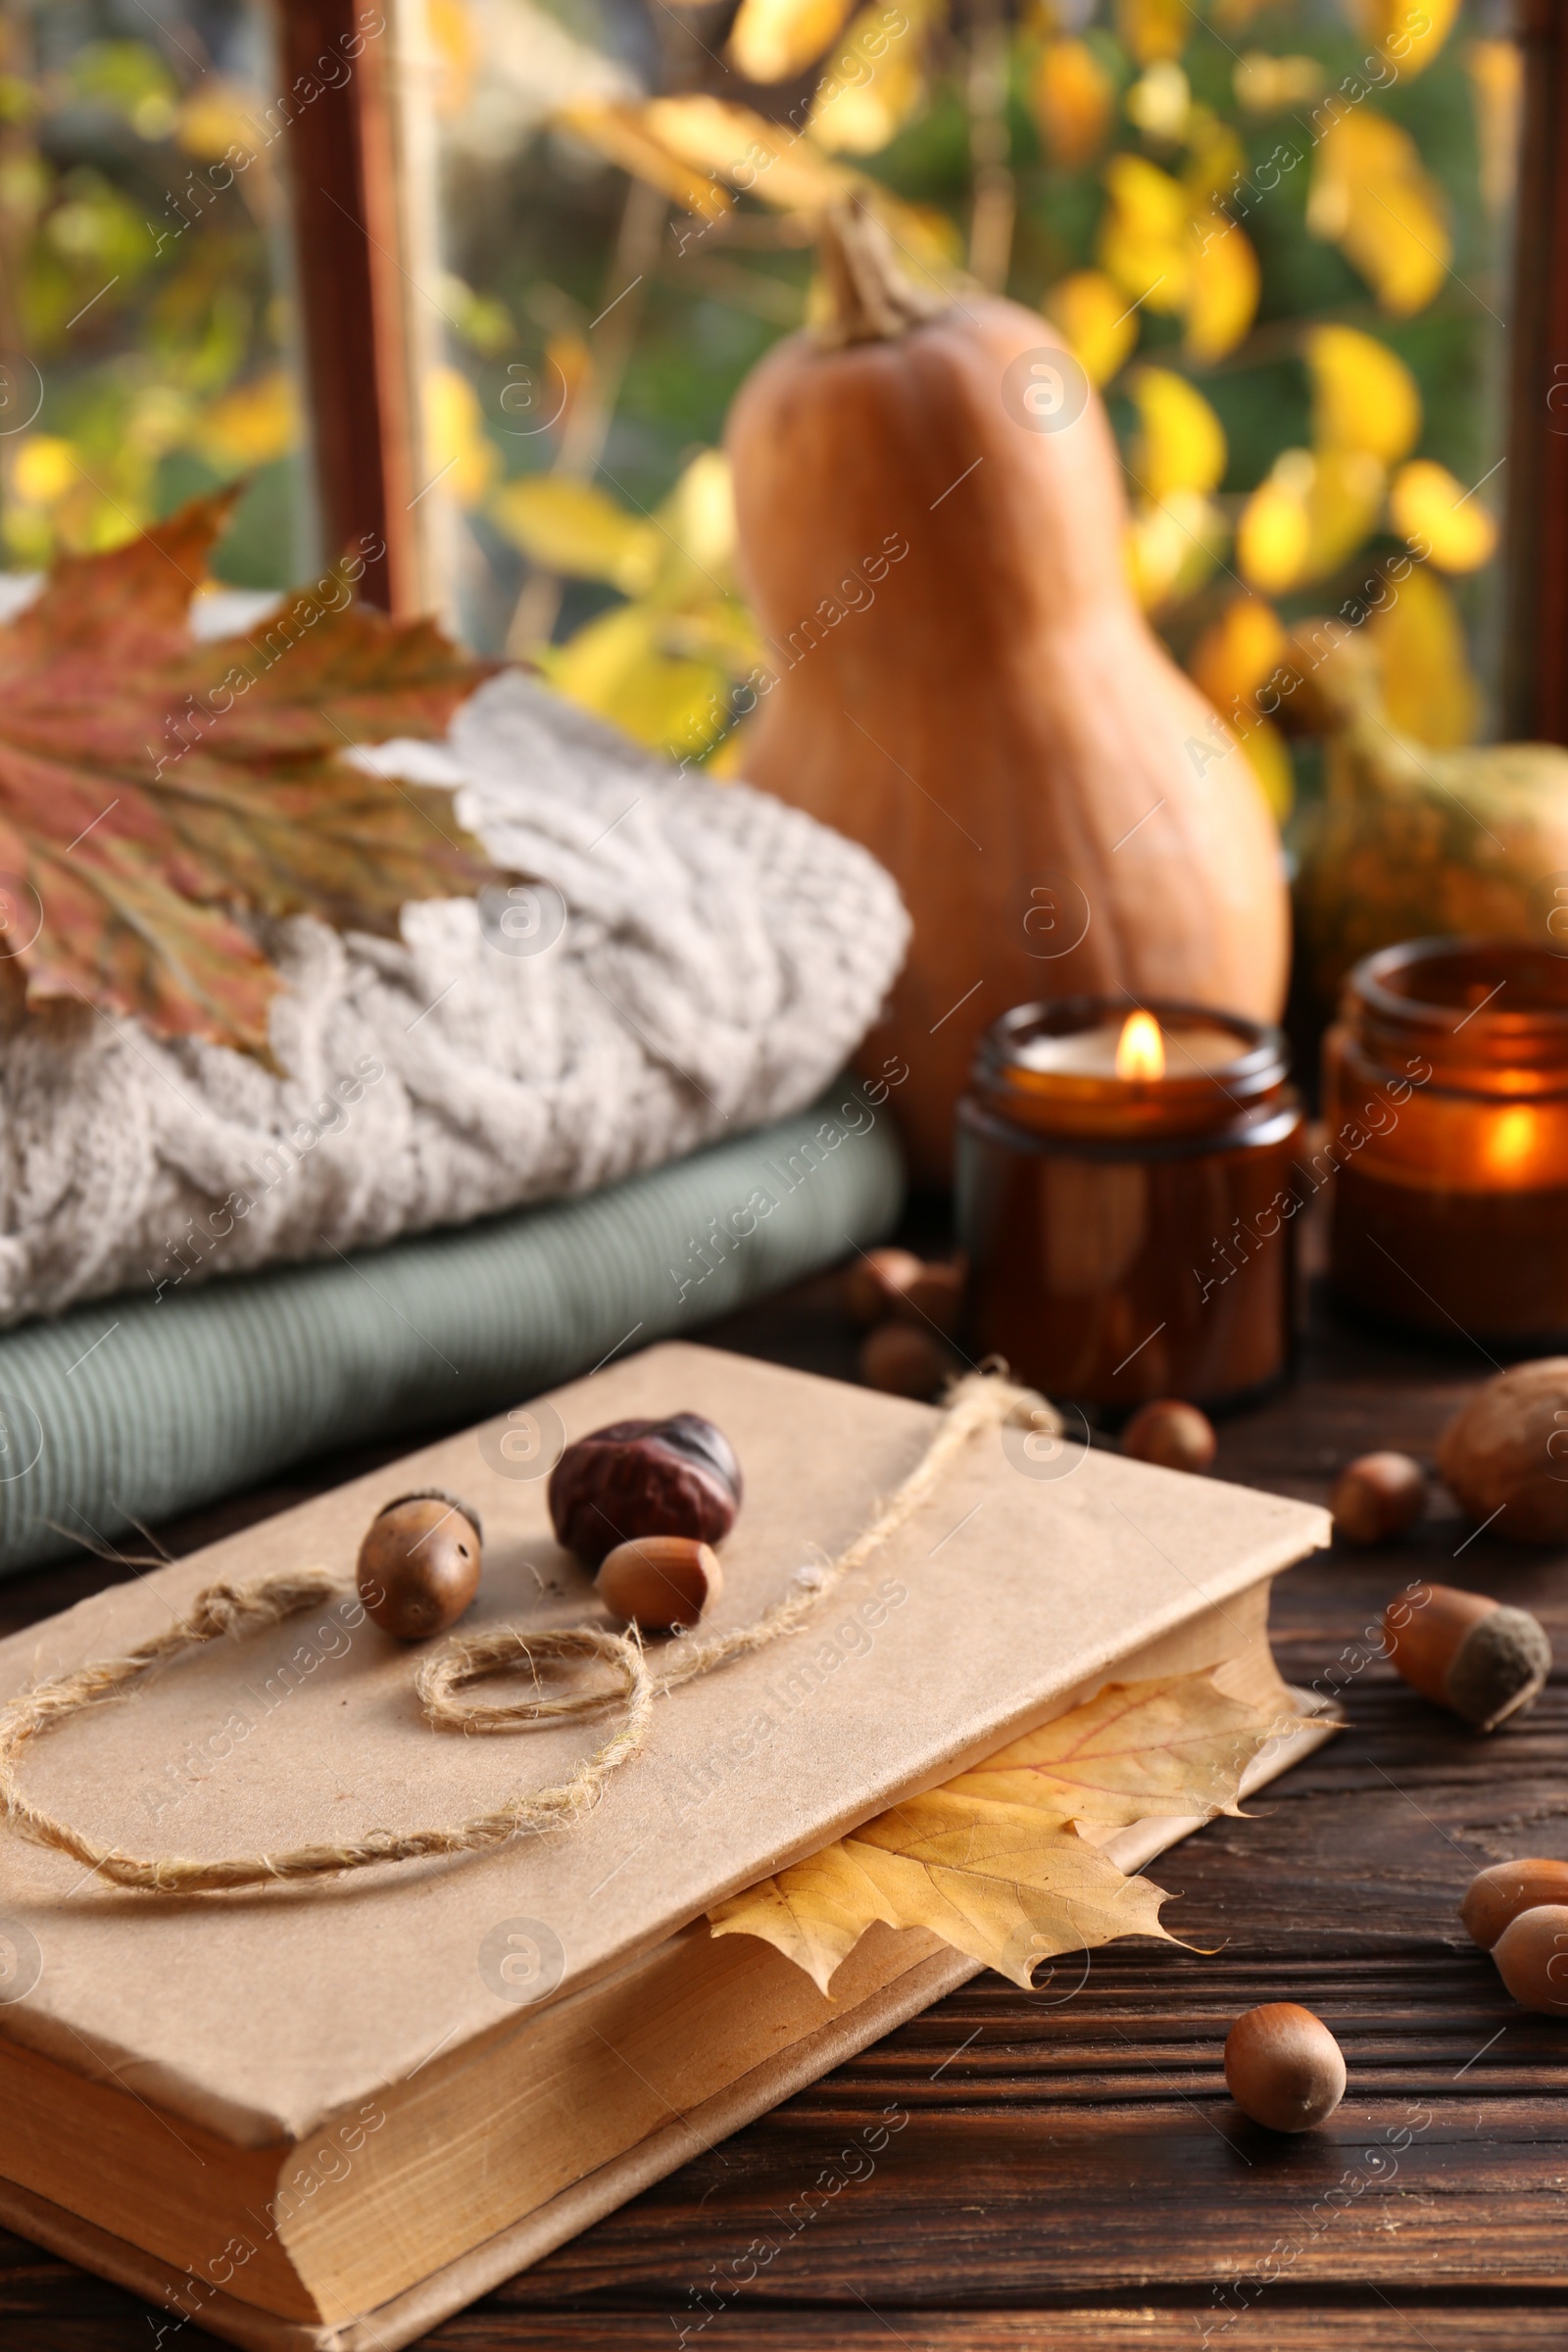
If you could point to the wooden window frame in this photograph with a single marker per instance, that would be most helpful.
(1535, 684)
(360, 326)
(350, 234)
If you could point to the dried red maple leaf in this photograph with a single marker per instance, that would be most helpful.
(154, 791)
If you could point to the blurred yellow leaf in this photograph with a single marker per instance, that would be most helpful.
(1265, 84)
(568, 526)
(772, 39)
(1098, 325)
(251, 425)
(1498, 80)
(159, 418)
(1161, 101)
(457, 49)
(875, 82)
(1216, 160)
(1343, 504)
(1363, 397)
(1410, 33)
(1311, 513)
(1154, 28)
(1268, 756)
(729, 760)
(1172, 547)
(618, 131)
(463, 459)
(1223, 287)
(761, 158)
(1146, 241)
(216, 116)
(928, 240)
(1180, 445)
(1428, 505)
(1072, 99)
(43, 469)
(699, 515)
(1371, 196)
(617, 665)
(1429, 688)
(717, 629)
(1274, 536)
(569, 372)
(1237, 653)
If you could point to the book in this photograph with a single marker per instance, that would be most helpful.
(330, 2113)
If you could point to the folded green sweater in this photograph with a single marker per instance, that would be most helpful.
(144, 1406)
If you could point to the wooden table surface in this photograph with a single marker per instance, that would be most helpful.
(1069, 2170)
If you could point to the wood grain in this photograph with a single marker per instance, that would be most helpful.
(1065, 2169)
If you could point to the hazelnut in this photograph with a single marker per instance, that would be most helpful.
(1532, 1957)
(1505, 1456)
(876, 1279)
(1176, 1436)
(659, 1580)
(1283, 2066)
(1376, 1497)
(1467, 1653)
(419, 1565)
(677, 1477)
(934, 1296)
(904, 1360)
(1496, 1897)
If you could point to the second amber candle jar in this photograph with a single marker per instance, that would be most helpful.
(1130, 1228)
(1446, 1096)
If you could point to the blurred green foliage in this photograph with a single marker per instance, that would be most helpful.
(144, 338)
(1325, 162)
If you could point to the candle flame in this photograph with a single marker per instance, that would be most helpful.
(1139, 1049)
(1511, 1141)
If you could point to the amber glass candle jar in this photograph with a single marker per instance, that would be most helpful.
(1446, 1096)
(1126, 1196)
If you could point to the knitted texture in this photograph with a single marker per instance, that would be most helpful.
(697, 958)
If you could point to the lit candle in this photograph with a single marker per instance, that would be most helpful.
(1126, 1196)
(1446, 1098)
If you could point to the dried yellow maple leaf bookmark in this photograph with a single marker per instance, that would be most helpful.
(993, 1863)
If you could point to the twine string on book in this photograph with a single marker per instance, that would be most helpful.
(979, 1403)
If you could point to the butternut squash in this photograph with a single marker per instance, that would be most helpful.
(959, 675)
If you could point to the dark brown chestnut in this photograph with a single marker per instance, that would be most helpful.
(419, 1565)
(677, 1477)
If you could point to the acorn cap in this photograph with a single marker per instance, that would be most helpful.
(436, 1494)
(1499, 1668)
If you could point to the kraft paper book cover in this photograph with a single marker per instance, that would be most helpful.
(442, 2056)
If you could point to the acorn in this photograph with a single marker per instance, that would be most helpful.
(1283, 2066)
(1172, 1433)
(1495, 1898)
(419, 1565)
(1377, 1496)
(1532, 1957)
(661, 1583)
(1467, 1653)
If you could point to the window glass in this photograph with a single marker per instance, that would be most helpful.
(144, 319)
(1276, 235)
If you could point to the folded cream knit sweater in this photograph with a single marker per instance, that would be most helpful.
(695, 959)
